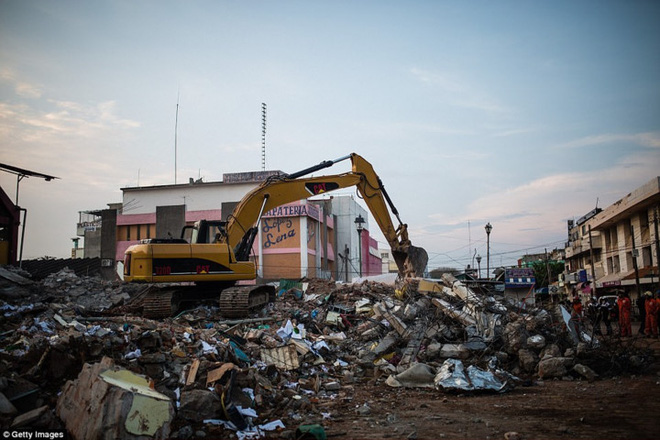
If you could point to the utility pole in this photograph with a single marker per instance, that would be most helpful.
(657, 241)
(176, 127)
(488, 228)
(547, 268)
(346, 263)
(634, 256)
(593, 264)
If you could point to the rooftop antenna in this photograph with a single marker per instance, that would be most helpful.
(176, 126)
(470, 242)
(263, 136)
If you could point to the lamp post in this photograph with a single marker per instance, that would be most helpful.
(359, 220)
(488, 228)
(479, 264)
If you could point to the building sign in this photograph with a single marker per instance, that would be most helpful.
(582, 276)
(519, 277)
(88, 227)
(612, 283)
(294, 211)
(277, 232)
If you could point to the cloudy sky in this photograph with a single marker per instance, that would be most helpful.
(521, 114)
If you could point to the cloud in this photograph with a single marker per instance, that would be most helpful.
(533, 215)
(514, 132)
(23, 89)
(647, 139)
(28, 90)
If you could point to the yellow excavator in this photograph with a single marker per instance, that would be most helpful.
(217, 254)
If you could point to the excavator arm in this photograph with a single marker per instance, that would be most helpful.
(243, 224)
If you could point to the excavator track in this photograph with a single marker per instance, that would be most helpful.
(237, 302)
(159, 303)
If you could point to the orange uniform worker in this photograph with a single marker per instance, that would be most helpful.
(652, 305)
(625, 307)
(577, 306)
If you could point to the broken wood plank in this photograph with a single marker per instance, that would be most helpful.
(192, 373)
(216, 375)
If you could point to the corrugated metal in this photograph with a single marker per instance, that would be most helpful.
(40, 269)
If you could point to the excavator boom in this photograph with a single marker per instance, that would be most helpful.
(242, 225)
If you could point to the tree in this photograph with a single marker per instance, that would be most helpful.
(437, 273)
(541, 272)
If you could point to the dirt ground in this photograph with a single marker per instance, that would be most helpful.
(608, 409)
(617, 408)
(624, 407)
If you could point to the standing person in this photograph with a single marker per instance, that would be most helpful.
(624, 314)
(657, 298)
(651, 315)
(577, 306)
(641, 304)
(593, 310)
(605, 310)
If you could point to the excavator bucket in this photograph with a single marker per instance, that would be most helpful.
(413, 262)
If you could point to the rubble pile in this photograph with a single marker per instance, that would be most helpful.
(70, 344)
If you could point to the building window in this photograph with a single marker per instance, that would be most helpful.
(128, 233)
(646, 256)
(629, 260)
(138, 232)
(616, 264)
(614, 238)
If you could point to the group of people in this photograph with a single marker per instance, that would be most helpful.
(601, 312)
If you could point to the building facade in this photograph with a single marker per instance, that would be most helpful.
(617, 248)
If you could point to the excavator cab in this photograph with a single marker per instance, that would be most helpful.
(205, 231)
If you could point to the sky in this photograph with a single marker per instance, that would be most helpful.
(524, 114)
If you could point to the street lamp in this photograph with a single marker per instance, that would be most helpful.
(479, 264)
(488, 228)
(359, 220)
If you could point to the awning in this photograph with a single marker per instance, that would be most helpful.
(611, 280)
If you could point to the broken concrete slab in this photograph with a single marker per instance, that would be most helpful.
(457, 351)
(117, 404)
(14, 277)
(198, 405)
(554, 367)
(6, 407)
(585, 372)
(527, 360)
(394, 321)
(38, 418)
(417, 376)
(451, 311)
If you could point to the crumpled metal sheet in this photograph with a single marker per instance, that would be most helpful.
(453, 376)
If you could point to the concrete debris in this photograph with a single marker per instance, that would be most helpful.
(117, 404)
(419, 375)
(74, 345)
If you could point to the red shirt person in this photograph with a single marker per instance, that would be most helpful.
(625, 307)
(652, 306)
